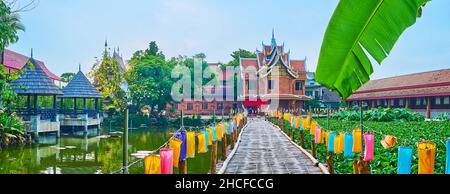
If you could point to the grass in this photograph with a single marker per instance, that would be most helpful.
(385, 161)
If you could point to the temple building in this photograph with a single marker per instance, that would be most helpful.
(427, 92)
(272, 65)
(289, 91)
(221, 97)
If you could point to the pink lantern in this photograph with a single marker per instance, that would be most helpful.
(166, 160)
(317, 134)
(369, 148)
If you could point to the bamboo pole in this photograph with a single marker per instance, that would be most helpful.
(224, 147)
(183, 167)
(313, 148)
(302, 139)
(125, 143)
(330, 163)
(214, 158)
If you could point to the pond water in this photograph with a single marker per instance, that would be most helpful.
(91, 154)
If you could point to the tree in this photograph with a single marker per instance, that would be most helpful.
(148, 78)
(357, 28)
(9, 26)
(241, 53)
(67, 77)
(108, 80)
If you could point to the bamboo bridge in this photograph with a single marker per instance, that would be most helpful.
(263, 148)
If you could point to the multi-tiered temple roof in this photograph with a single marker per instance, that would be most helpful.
(270, 56)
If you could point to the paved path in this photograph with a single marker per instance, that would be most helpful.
(265, 150)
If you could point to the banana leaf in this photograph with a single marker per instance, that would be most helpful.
(358, 29)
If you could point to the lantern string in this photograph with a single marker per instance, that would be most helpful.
(152, 152)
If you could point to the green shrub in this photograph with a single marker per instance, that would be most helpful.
(380, 115)
(12, 129)
(441, 117)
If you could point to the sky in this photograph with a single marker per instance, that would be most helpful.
(65, 33)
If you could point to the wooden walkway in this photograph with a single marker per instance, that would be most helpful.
(264, 149)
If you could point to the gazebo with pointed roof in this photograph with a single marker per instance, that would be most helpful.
(81, 88)
(34, 82)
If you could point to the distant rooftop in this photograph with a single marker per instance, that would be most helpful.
(432, 83)
(17, 61)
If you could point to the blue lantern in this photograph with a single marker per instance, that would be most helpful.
(206, 132)
(348, 145)
(404, 160)
(447, 166)
(214, 135)
(331, 141)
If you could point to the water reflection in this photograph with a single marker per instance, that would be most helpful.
(91, 154)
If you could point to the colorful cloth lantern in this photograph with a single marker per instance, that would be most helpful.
(219, 132)
(369, 148)
(427, 154)
(175, 144)
(331, 137)
(297, 122)
(321, 136)
(389, 141)
(404, 160)
(348, 145)
(214, 133)
(327, 135)
(317, 134)
(190, 137)
(357, 143)
(312, 129)
(228, 127)
(166, 155)
(152, 164)
(341, 143)
(231, 126)
(183, 148)
(336, 144)
(447, 165)
(306, 123)
(202, 141)
(209, 136)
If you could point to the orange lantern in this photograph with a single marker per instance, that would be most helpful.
(427, 154)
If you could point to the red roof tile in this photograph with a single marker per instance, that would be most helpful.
(14, 60)
(433, 83)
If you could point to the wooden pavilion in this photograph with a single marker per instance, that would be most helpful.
(80, 89)
(35, 84)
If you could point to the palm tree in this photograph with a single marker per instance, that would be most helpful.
(11, 22)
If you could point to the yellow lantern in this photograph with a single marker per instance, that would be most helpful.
(357, 143)
(427, 154)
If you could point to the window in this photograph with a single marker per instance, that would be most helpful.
(438, 100)
(219, 106)
(401, 102)
(175, 106)
(213, 90)
(190, 106)
(205, 106)
(247, 84)
(270, 83)
(447, 100)
(298, 85)
(418, 101)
